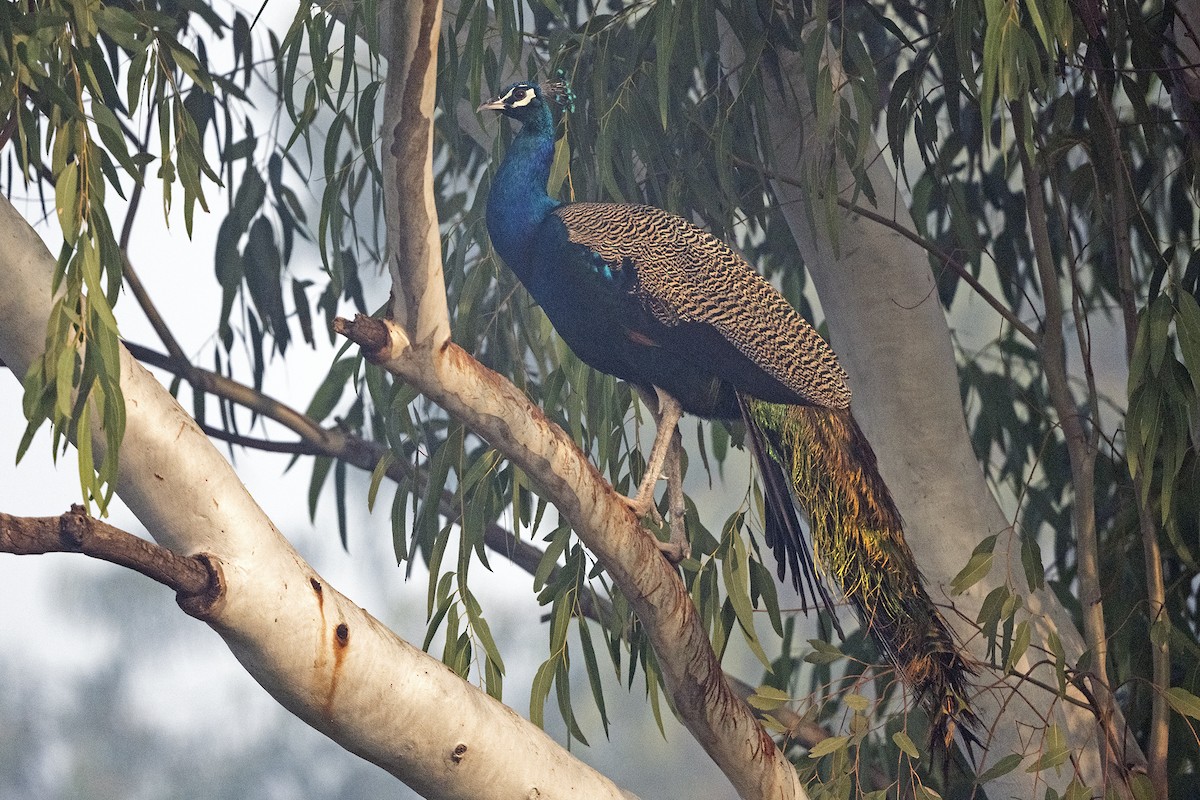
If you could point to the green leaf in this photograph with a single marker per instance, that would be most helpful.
(1036, 15)
(1020, 644)
(1143, 788)
(977, 568)
(330, 391)
(263, 266)
(857, 702)
(768, 698)
(1031, 562)
(989, 611)
(1160, 632)
(110, 134)
(377, 476)
(560, 168)
(1000, 768)
(321, 467)
(593, 670)
(121, 26)
(923, 792)
(830, 744)
(1054, 644)
(1078, 790)
(66, 201)
(481, 629)
(823, 652)
(1187, 326)
(188, 63)
(1159, 332)
(1054, 750)
(1184, 702)
(906, 744)
(737, 587)
(664, 43)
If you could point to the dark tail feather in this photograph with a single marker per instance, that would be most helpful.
(858, 538)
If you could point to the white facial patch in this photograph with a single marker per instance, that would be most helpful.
(519, 96)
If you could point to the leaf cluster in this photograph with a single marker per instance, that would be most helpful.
(72, 77)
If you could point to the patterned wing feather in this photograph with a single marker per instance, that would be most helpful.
(687, 275)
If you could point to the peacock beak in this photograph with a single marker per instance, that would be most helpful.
(495, 104)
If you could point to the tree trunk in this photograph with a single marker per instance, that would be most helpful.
(890, 332)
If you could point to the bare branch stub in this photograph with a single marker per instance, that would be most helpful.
(367, 332)
(195, 579)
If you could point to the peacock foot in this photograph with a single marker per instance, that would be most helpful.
(643, 506)
(674, 551)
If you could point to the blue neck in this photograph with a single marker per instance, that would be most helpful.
(517, 202)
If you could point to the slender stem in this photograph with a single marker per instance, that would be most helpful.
(1160, 655)
(1080, 449)
(131, 277)
(1160, 711)
(297, 448)
(151, 311)
(331, 442)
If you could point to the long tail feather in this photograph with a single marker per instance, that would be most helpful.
(784, 534)
(858, 538)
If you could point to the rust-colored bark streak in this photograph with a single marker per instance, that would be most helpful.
(411, 142)
(322, 656)
(341, 643)
(320, 593)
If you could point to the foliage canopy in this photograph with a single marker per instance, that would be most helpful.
(1048, 150)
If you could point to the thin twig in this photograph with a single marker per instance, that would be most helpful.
(1081, 453)
(131, 277)
(151, 311)
(1160, 655)
(297, 448)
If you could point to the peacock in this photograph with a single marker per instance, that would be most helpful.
(644, 295)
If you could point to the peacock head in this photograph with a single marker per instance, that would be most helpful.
(521, 101)
(527, 100)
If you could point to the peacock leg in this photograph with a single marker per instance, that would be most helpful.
(677, 548)
(666, 443)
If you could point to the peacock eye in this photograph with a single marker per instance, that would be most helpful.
(518, 93)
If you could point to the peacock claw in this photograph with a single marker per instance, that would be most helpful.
(643, 507)
(673, 551)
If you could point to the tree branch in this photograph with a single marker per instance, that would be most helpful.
(496, 410)
(345, 446)
(415, 345)
(1160, 655)
(365, 455)
(76, 532)
(1081, 448)
(316, 651)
